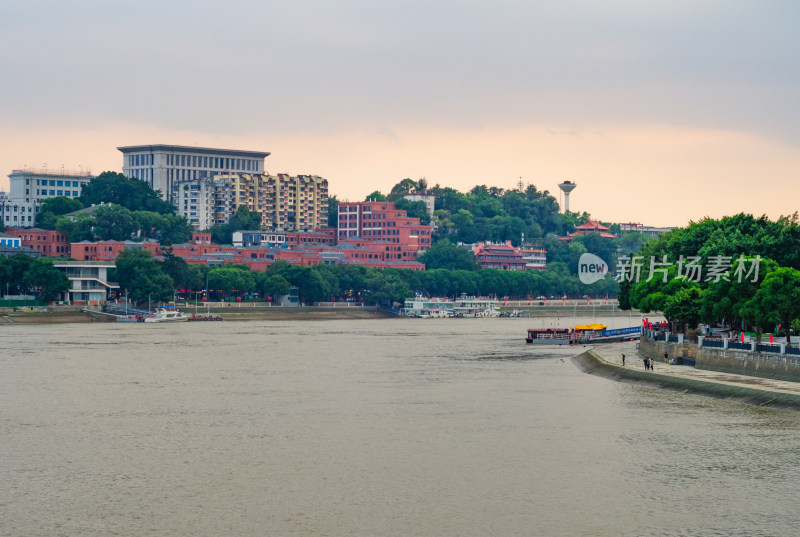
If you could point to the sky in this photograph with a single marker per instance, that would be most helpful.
(662, 112)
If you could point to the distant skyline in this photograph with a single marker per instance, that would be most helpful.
(662, 112)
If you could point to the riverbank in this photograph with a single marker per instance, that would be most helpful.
(606, 361)
(55, 315)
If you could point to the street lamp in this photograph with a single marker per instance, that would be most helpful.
(148, 302)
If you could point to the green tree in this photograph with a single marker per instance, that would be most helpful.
(134, 195)
(77, 228)
(185, 276)
(403, 188)
(385, 288)
(684, 306)
(414, 209)
(444, 254)
(114, 222)
(243, 219)
(375, 196)
(174, 229)
(52, 208)
(274, 286)
(5, 274)
(232, 281)
(333, 212)
(46, 280)
(15, 268)
(724, 299)
(142, 276)
(777, 300)
(60, 205)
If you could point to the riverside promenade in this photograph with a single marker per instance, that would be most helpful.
(606, 361)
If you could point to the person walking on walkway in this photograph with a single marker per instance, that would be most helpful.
(623, 358)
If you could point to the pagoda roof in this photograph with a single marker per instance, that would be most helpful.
(592, 225)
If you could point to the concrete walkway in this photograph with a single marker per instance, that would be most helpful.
(612, 353)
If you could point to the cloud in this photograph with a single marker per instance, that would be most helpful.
(691, 97)
(653, 174)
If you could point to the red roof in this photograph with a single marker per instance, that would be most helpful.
(592, 225)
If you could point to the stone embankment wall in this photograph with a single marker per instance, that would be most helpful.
(591, 363)
(725, 360)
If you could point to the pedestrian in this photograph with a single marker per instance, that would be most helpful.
(623, 358)
(646, 366)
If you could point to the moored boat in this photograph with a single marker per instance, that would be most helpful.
(582, 334)
(163, 315)
(549, 335)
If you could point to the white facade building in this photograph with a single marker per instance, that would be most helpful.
(195, 201)
(534, 259)
(88, 281)
(162, 166)
(27, 189)
(37, 185)
(244, 238)
(17, 213)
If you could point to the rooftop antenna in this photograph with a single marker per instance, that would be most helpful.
(567, 187)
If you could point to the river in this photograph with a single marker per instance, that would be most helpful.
(390, 427)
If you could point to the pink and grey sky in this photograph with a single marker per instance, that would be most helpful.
(662, 112)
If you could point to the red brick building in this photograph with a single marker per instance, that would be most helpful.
(323, 235)
(108, 250)
(49, 242)
(382, 221)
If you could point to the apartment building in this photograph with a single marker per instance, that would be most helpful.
(286, 203)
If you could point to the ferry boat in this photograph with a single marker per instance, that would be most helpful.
(163, 315)
(583, 334)
(553, 336)
(464, 306)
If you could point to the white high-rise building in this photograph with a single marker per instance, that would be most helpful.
(163, 166)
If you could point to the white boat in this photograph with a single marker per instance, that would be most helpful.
(470, 306)
(427, 308)
(163, 315)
